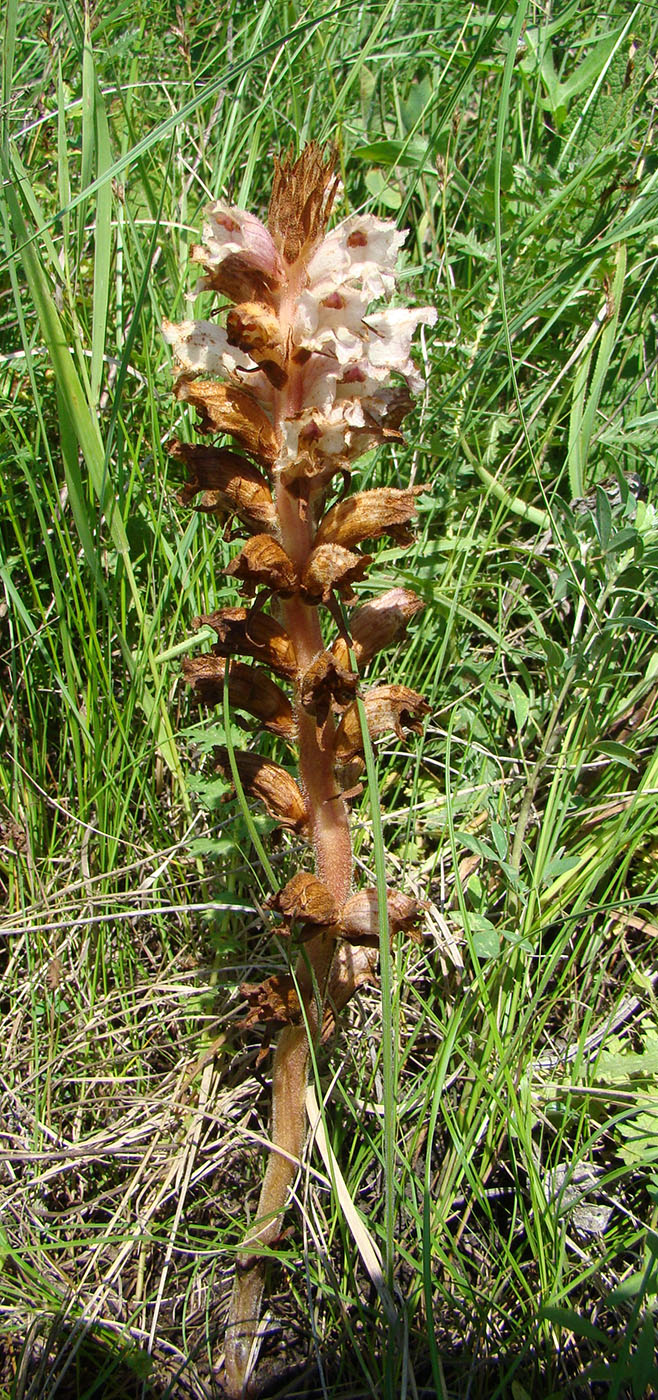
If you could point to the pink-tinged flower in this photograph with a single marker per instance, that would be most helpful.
(303, 338)
(228, 231)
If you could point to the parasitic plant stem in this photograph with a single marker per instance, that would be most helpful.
(300, 380)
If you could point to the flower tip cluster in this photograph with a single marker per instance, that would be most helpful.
(301, 337)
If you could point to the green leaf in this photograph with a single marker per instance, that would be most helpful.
(603, 517)
(520, 704)
(486, 941)
(378, 186)
(572, 1322)
(407, 153)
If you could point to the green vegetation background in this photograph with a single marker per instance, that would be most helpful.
(516, 1140)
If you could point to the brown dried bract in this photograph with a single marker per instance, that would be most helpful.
(332, 567)
(387, 707)
(274, 1001)
(237, 277)
(359, 917)
(228, 482)
(252, 633)
(327, 685)
(263, 562)
(271, 784)
(303, 192)
(226, 409)
(369, 514)
(393, 406)
(305, 898)
(250, 688)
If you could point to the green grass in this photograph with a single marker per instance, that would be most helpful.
(501, 1143)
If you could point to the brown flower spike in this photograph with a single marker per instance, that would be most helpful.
(299, 380)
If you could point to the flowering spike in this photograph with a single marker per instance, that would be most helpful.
(300, 378)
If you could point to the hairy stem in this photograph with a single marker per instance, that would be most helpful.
(330, 836)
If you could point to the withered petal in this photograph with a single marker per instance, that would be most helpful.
(273, 1001)
(250, 689)
(377, 624)
(271, 784)
(369, 514)
(227, 480)
(241, 632)
(227, 409)
(359, 917)
(305, 898)
(257, 331)
(263, 562)
(237, 277)
(327, 685)
(352, 967)
(388, 708)
(329, 567)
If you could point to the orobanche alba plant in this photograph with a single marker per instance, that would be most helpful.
(303, 377)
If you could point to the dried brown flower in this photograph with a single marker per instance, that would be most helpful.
(250, 688)
(252, 633)
(378, 624)
(332, 568)
(225, 409)
(388, 708)
(369, 514)
(307, 899)
(271, 784)
(228, 481)
(274, 1001)
(263, 563)
(325, 685)
(359, 917)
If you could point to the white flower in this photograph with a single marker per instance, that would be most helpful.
(201, 347)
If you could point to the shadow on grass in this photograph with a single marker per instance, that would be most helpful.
(70, 1359)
